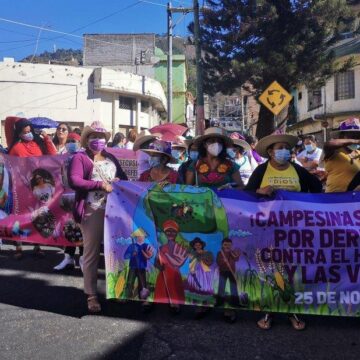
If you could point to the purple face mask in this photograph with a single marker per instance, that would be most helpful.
(97, 145)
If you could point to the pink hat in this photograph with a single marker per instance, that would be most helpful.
(95, 127)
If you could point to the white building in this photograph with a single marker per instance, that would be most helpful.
(80, 95)
(320, 110)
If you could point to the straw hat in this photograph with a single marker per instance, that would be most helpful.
(242, 143)
(143, 137)
(160, 147)
(179, 143)
(214, 132)
(140, 232)
(96, 127)
(350, 125)
(265, 142)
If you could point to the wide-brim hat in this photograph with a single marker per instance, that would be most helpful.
(189, 142)
(96, 127)
(160, 147)
(214, 132)
(179, 143)
(143, 137)
(265, 142)
(350, 125)
(242, 143)
(140, 232)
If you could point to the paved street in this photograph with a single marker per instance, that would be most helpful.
(43, 316)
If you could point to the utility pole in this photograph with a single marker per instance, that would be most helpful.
(169, 64)
(200, 116)
(170, 11)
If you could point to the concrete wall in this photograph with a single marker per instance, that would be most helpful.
(67, 93)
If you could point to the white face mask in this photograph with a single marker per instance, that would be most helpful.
(214, 149)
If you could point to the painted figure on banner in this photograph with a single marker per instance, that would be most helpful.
(226, 260)
(138, 253)
(199, 282)
(170, 258)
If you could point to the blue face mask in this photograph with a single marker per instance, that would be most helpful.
(194, 154)
(231, 153)
(154, 161)
(281, 156)
(27, 137)
(72, 148)
(309, 148)
(176, 154)
(354, 147)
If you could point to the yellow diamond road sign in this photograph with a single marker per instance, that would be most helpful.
(275, 98)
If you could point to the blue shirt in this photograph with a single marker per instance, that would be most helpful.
(138, 260)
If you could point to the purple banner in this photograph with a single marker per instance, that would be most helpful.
(297, 253)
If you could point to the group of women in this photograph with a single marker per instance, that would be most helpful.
(214, 160)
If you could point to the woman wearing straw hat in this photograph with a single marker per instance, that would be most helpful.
(91, 174)
(279, 173)
(213, 169)
(160, 157)
(142, 141)
(342, 156)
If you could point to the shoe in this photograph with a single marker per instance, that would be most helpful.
(230, 316)
(174, 309)
(296, 323)
(18, 253)
(38, 252)
(265, 323)
(67, 264)
(81, 263)
(146, 307)
(201, 312)
(93, 305)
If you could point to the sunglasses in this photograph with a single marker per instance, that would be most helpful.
(62, 129)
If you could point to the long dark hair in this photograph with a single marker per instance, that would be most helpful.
(117, 138)
(55, 138)
(18, 128)
(46, 175)
(202, 150)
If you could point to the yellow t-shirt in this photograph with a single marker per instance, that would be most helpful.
(341, 169)
(281, 179)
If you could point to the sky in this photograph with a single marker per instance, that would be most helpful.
(77, 17)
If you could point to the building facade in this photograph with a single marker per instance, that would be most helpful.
(318, 111)
(80, 95)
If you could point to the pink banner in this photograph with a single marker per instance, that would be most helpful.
(35, 200)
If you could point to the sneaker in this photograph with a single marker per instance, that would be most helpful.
(81, 263)
(67, 263)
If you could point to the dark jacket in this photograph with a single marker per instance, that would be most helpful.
(354, 182)
(79, 175)
(308, 182)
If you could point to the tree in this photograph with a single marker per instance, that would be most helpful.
(257, 42)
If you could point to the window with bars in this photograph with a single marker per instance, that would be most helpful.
(345, 85)
(126, 103)
(314, 99)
